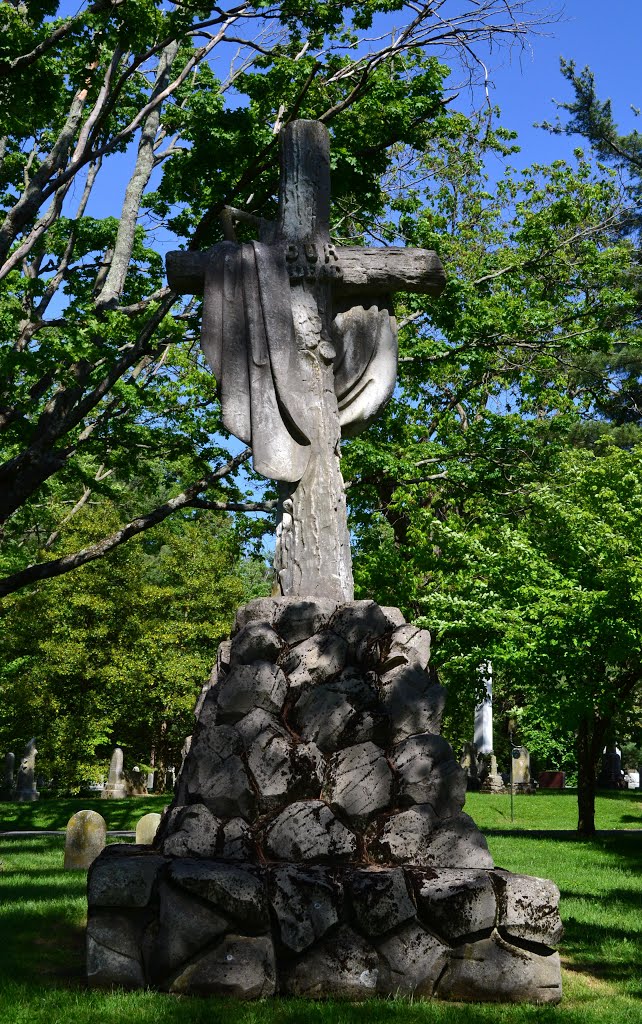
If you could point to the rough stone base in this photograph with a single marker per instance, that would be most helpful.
(204, 926)
(316, 844)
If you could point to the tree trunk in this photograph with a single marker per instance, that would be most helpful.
(590, 741)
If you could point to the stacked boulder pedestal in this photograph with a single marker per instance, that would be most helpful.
(316, 845)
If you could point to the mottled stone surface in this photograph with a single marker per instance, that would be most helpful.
(342, 966)
(494, 971)
(241, 966)
(316, 844)
(246, 687)
(359, 782)
(85, 839)
(304, 901)
(411, 961)
(454, 903)
(380, 899)
(528, 908)
(308, 830)
(191, 830)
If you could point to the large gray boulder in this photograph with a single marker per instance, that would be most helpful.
(429, 774)
(495, 971)
(304, 901)
(380, 899)
(414, 701)
(314, 660)
(237, 893)
(123, 876)
(241, 966)
(246, 687)
(342, 966)
(419, 837)
(255, 642)
(185, 925)
(454, 903)
(339, 713)
(215, 774)
(308, 830)
(359, 782)
(191, 831)
(297, 619)
(528, 908)
(411, 961)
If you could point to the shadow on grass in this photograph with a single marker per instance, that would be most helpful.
(54, 814)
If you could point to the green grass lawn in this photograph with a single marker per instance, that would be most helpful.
(42, 914)
(557, 810)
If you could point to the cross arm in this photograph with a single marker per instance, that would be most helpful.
(357, 270)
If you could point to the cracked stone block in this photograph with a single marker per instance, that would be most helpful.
(342, 966)
(308, 830)
(409, 645)
(429, 774)
(393, 615)
(411, 962)
(315, 660)
(419, 837)
(237, 842)
(380, 899)
(300, 618)
(339, 713)
(255, 642)
(185, 925)
(455, 903)
(457, 842)
(359, 782)
(261, 685)
(241, 966)
(270, 755)
(106, 967)
(191, 830)
(215, 774)
(259, 609)
(120, 877)
(494, 971)
(528, 908)
(360, 620)
(236, 892)
(414, 702)
(304, 900)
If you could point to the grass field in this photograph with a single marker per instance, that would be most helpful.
(42, 912)
(551, 810)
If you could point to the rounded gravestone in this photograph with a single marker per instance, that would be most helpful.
(147, 828)
(86, 837)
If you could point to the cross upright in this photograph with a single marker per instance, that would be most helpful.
(302, 340)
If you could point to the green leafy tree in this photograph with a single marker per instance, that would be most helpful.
(117, 653)
(99, 365)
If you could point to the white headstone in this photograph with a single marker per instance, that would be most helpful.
(483, 734)
(147, 828)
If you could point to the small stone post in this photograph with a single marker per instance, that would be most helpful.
(116, 787)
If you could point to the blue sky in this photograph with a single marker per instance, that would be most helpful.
(606, 36)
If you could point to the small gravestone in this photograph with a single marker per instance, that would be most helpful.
(146, 828)
(8, 781)
(138, 783)
(116, 787)
(86, 837)
(493, 783)
(611, 776)
(26, 791)
(521, 770)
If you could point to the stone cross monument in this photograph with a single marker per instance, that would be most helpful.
(303, 343)
(316, 843)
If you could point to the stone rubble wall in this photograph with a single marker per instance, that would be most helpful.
(317, 844)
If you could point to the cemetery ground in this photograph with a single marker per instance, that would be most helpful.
(42, 912)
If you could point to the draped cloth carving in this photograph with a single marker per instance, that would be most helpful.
(248, 337)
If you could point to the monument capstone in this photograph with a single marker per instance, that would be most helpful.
(316, 843)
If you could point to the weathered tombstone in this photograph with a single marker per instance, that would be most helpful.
(493, 782)
(85, 840)
(147, 828)
(8, 782)
(316, 843)
(116, 786)
(521, 759)
(138, 783)
(472, 764)
(26, 791)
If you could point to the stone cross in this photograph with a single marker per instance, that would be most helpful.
(303, 343)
